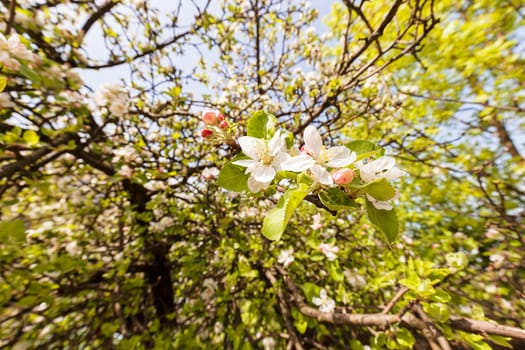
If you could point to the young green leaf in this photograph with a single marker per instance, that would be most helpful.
(385, 220)
(276, 220)
(381, 190)
(3, 83)
(365, 149)
(232, 177)
(261, 125)
(31, 137)
(335, 199)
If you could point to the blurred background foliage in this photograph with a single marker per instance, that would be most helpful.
(92, 257)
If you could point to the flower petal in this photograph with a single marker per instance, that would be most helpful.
(256, 186)
(279, 159)
(247, 163)
(263, 173)
(276, 144)
(251, 146)
(368, 172)
(298, 163)
(381, 205)
(313, 141)
(340, 156)
(321, 175)
(394, 173)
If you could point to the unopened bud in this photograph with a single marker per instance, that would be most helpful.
(210, 117)
(343, 176)
(224, 124)
(206, 133)
(221, 117)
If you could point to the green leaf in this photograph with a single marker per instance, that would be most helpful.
(437, 311)
(29, 74)
(275, 222)
(3, 82)
(12, 231)
(381, 190)
(500, 340)
(440, 296)
(261, 125)
(405, 338)
(310, 291)
(233, 178)
(31, 137)
(248, 313)
(457, 261)
(336, 199)
(365, 149)
(385, 220)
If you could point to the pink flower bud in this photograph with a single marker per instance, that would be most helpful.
(210, 117)
(343, 176)
(221, 117)
(304, 150)
(206, 133)
(224, 124)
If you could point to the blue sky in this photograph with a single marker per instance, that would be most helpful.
(96, 78)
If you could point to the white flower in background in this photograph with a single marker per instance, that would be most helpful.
(126, 172)
(318, 222)
(159, 226)
(329, 250)
(72, 248)
(497, 260)
(5, 100)
(127, 154)
(265, 160)
(209, 174)
(285, 257)
(13, 46)
(317, 158)
(268, 343)
(113, 96)
(325, 303)
(492, 232)
(210, 286)
(354, 278)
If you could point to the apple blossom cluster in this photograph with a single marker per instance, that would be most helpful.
(12, 51)
(114, 97)
(342, 177)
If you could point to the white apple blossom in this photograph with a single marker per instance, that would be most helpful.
(318, 222)
(155, 185)
(325, 303)
(355, 279)
(113, 96)
(381, 168)
(5, 100)
(126, 172)
(265, 160)
(13, 46)
(209, 174)
(497, 260)
(127, 154)
(329, 250)
(382, 205)
(286, 257)
(268, 343)
(317, 158)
